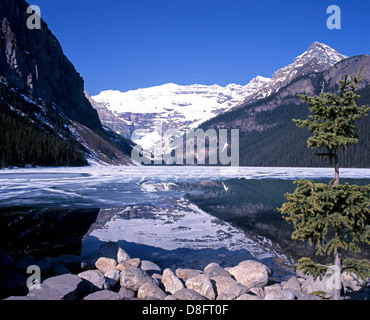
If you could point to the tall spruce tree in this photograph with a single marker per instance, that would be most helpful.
(332, 216)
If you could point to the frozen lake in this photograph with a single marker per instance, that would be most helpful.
(102, 187)
(159, 210)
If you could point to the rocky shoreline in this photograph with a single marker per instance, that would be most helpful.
(114, 275)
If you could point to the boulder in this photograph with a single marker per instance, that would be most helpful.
(188, 294)
(276, 292)
(171, 282)
(247, 296)
(251, 273)
(222, 283)
(323, 284)
(64, 287)
(149, 266)
(105, 264)
(136, 263)
(26, 298)
(214, 269)
(150, 290)
(224, 296)
(203, 285)
(351, 282)
(104, 295)
(112, 277)
(236, 289)
(272, 288)
(257, 291)
(133, 278)
(187, 273)
(293, 283)
(122, 255)
(126, 294)
(95, 277)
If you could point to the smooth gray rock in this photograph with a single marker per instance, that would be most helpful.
(293, 283)
(187, 273)
(276, 292)
(64, 287)
(150, 290)
(149, 266)
(95, 277)
(126, 294)
(188, 294)
(171, 282)
(251, 273)
(247, 296)
(214, 269)
(104, 295)
(203, 285)
(222, 283)
(236, 289)
(134, 278)
(224, 296)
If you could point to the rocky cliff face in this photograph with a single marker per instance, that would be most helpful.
(33, 61)
(41, 88)
(110, 120)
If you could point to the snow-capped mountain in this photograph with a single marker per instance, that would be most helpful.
(171, 106)
(317, 58)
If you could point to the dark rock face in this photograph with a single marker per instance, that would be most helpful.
(33, 61)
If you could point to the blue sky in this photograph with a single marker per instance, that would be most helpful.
(124, 45)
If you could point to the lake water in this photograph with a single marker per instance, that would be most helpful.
(176, 216)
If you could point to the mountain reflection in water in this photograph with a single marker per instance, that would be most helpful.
(232, 219)
(252, 206)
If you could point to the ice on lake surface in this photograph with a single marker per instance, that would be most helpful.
(147, 205)
(117, 186)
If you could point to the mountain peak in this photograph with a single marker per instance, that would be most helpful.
(318, 57)
(322, 53)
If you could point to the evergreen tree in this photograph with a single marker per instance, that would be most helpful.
(334, 217)
(333, 120)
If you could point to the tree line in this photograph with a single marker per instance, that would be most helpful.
(25, 140)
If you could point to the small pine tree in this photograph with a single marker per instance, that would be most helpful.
(333, 217)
